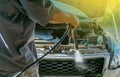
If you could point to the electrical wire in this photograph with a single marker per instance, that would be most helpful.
(38, 60)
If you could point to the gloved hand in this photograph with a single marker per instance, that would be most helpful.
(64, 17)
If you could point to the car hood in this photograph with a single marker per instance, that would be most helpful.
(92, 8)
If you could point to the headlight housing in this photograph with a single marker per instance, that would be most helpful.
(115, 61)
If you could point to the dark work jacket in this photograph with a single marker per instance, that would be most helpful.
(17, 24)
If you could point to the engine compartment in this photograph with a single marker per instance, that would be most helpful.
(61, 61)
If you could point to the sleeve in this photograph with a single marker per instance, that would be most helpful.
(40, 11)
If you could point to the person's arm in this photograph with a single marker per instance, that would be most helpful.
(60, 16)
(43, 12)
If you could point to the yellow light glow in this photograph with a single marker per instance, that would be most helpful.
(112, 4)
(93, 8)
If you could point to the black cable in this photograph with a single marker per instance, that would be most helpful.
(38, 60)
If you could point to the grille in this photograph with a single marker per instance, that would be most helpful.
(68, 67)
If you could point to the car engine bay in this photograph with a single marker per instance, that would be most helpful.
(61, 61)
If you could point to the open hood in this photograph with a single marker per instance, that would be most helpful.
(92, 8)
